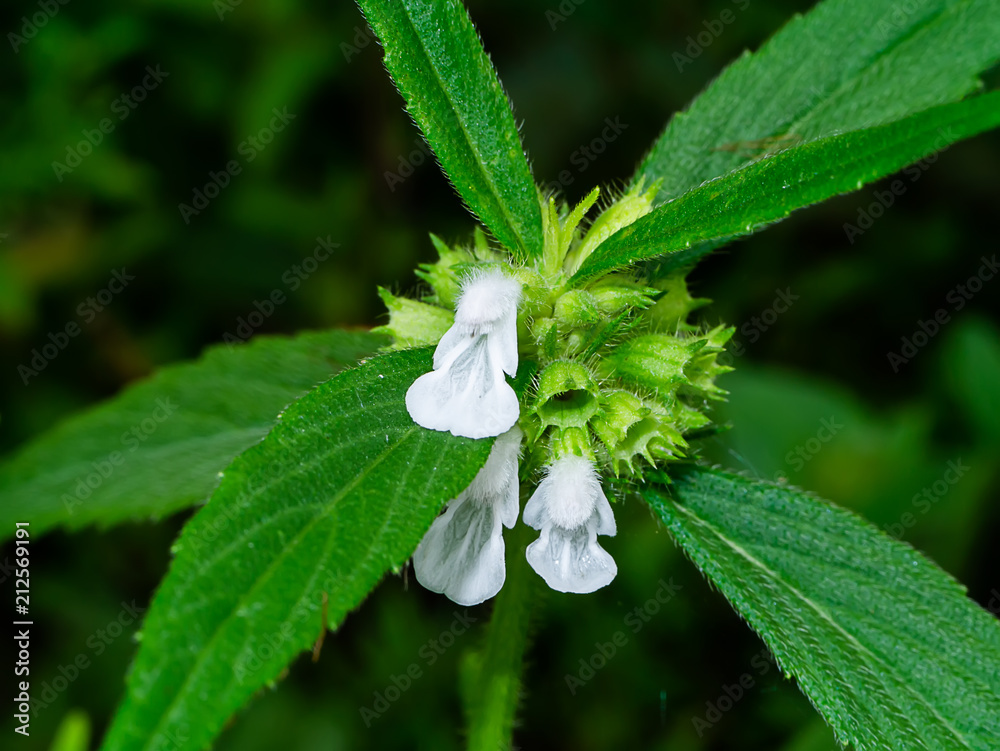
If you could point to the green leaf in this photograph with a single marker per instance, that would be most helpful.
(884, 643)
(436, 59)
(846, 65)
(770, 189)
(159, 445)
(340, 491)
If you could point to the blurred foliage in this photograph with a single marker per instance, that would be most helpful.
(350, 166)
(73, 733)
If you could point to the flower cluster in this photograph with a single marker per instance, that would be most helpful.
(620, 382)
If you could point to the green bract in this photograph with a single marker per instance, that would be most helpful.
(623, 375)
(316, 481)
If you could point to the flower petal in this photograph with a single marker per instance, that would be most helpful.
(468, 396)
(568, 495)
(570, 509)
(497, 482)
(462, 554)
(503, 342)
(510, 503)
(455, 341)
(572, 560)
(467, 393)
(488, 295)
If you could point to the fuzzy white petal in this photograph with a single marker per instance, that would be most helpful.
(488, 295)
(455, 341)
(570, 509)
(500, 468)
(568, 495)
(570, 560)
(466, 393)
(503, 340)
(510, 503)
(497, 482)
(468, 396)
(462, 554)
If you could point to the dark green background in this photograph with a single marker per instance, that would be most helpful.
(326, 175)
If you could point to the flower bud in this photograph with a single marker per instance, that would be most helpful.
(654, 361)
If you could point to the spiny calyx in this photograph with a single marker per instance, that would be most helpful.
(622, 374)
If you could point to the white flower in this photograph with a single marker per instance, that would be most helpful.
(570, 509)
(462, 554)
(467, 393)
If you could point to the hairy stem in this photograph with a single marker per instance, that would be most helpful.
(493, 677)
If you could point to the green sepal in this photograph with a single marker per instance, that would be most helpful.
(704, 367)
(673, 306)
(572, 441)
(653, 361)
(620, 410)
(590, 343)
(615, 294)
(551, 224)
(573, 219)
(686, 418)
(635, 204)
(413, 323)
(442, 275)
(566, 396)
(653, 439)
(578, 308)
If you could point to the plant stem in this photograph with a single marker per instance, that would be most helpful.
(496, 679)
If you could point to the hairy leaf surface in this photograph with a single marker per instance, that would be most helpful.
(159, 445)
(452, 91)
(770, 189)
(884, 643)
(340, 492)
(845, 65)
